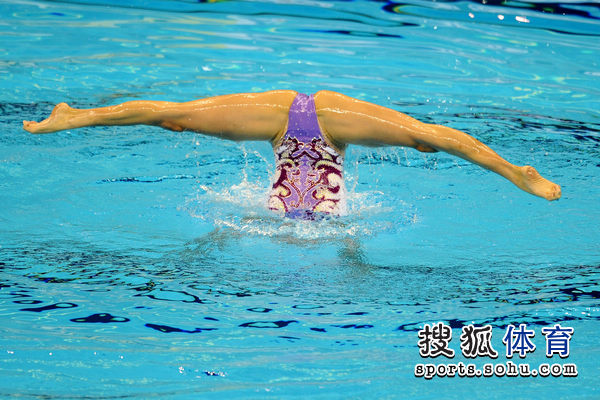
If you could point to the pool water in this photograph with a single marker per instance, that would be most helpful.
(138, 263)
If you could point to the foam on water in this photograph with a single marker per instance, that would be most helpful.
(243, 208)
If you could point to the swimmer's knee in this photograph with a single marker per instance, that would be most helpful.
(425, 149)
(171, 126)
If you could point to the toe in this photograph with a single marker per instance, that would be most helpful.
(557, 192)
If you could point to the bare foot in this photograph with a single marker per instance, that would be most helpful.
(531, 181)
(57, 121)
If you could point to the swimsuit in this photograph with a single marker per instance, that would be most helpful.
(308, 181)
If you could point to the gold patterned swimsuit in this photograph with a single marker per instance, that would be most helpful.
(308, 181)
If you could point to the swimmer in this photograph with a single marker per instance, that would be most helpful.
(309, 135)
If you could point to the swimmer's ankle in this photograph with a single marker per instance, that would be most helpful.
(532, 182)
(59, 119)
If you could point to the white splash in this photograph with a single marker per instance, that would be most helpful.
(242, 208)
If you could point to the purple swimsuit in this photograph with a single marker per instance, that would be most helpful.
(309, 179)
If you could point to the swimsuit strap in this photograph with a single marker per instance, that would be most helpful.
(302, 120)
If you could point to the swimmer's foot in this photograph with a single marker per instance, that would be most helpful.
(532, 182)
(57, 121)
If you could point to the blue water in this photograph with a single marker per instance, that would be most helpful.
(140, 263)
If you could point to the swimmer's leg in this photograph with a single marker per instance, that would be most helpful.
(348, 120)
(460, 144)
(246, 116)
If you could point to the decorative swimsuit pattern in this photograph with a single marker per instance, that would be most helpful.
(309, 174)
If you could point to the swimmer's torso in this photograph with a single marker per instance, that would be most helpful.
(309, 172)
